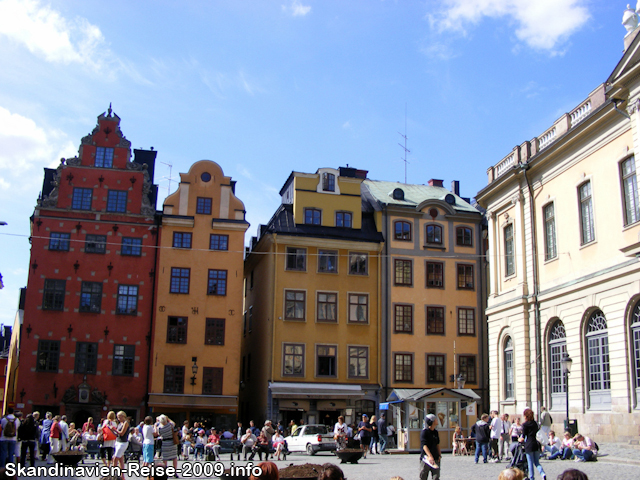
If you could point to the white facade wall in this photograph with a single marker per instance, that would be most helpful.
(582, 278)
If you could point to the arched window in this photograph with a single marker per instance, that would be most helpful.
(598, 360)
(557, 351)
(635, 341)
(508, 369)
(434, 234)
(402, 230)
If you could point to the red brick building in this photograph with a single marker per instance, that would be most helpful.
(89, 302)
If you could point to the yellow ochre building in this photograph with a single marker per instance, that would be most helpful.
(195, 366)
(312, 315)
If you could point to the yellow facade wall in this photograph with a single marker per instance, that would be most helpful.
(311, 332)
(306, 196)
(197, 305)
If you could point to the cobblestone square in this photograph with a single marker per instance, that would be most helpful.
(384, 467)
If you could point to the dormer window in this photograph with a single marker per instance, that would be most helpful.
(398, 194)
(328, 182)
(104, 157)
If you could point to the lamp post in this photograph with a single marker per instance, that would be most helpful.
(194, 370)
(566, 369)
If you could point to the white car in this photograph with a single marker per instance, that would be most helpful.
(311, 439)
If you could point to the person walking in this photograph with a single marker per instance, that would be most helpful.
(382, 432)
(531, 445)
(27, 434)
(496, 433)
(108, 432)
(10, 426)
(122, 440)
(505, 439)
(364, 430)
(430, 449)
(45, 437)
(169, 450)
(545, 421)
(373, 444)
(483, 436)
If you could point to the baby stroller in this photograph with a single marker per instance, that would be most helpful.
(519, 459)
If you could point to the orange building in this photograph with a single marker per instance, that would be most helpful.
(195, 365)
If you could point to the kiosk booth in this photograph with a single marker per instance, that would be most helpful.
(451, 406)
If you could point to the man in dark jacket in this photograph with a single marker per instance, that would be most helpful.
(382, 432)
(430, 449)
(483, 437)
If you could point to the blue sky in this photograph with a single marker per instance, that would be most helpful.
(266, 87)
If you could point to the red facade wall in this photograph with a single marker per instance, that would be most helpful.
(60, 389)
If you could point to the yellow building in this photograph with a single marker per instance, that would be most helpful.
(195, 366)
(312, 314)
(431, 299)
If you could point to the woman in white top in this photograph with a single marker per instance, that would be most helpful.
(340, 434)
(147, 442)
(122, 440)
(106, 451)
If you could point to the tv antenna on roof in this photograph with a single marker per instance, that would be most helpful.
(169, 177)
(404, 147)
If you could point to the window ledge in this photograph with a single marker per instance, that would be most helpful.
(436, 246)
(551, 260)
(585, 245)
(508, 401)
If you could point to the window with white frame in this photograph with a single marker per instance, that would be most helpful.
(508, 369)
(549, 232)
(509, 256)
(328, 261)
(599, 381)
(630, 191)
(635, 338)
(587, 230)
(557, 351)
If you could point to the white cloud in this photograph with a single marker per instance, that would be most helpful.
(297, 9)
(439, 50)
(47, 34)
(346, 125)
(541, 24)
(27, 146)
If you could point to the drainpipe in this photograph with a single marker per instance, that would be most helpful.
(158, 222)
(385, 280)
(534, 248)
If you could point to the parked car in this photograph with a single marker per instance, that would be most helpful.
(311, 439)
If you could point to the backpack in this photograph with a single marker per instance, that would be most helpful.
(9, 428)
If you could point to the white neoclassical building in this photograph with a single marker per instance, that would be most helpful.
(563, 216)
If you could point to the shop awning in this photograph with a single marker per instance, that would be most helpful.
(415, 394)
(385, 405)
(316, 391)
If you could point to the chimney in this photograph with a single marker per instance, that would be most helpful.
(435, 183)
(455, 187)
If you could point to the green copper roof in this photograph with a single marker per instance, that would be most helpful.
(414, 195)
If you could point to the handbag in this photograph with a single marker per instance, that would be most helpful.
(357, 436)
(176, 437)
(107, 434)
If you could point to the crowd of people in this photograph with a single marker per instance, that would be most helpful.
(498, 439)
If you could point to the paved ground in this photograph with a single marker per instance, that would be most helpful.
(620, 463)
